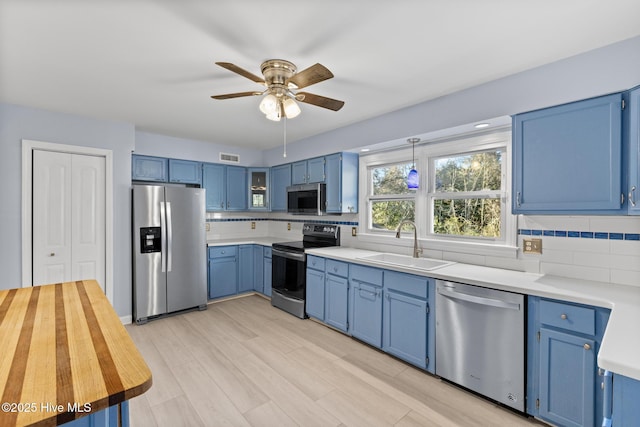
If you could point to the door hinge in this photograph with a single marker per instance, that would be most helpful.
(623, 104)
(427, 309)
(537, 403)
(427, 361)
(347, 326)
(538, 336)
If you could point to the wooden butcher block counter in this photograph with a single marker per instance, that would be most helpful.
(64, 354)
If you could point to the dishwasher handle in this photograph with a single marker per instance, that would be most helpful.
(451, 293)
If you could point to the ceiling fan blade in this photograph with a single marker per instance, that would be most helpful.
(236, 95)
(244, 73)
(320, 101)
(310, 76)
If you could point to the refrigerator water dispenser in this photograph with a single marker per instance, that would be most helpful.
(150, 240)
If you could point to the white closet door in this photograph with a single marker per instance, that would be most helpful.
(88, 218)
(68, 217)
(51, 217)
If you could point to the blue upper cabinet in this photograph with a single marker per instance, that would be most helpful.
(184, 171)
(214, 181)
(259, 185)
(342, 182)
(236, 188)
(631, 139)
(568, 159)
(308, 171)
(280, 180)
(147, 168)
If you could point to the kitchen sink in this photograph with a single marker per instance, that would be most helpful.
(406, 261)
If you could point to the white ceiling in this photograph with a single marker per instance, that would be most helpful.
(151, 63)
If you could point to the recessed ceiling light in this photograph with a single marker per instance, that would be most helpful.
(364, 150)
(481, 125)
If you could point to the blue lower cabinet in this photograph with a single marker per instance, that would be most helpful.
(245, 270)
(266, 269)
(564, 386)
(405, 328)
(336, 301)
(223, 271)
(626, 401)
(315, 294)
(366, 312)
(567, 378)
(105, 418)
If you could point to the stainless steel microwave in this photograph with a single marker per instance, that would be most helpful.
(307, 199)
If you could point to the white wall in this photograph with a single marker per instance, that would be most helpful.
(605, 70)
(18, 123)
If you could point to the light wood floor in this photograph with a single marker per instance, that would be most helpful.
(242, 362)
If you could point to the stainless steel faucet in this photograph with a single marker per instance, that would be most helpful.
(416, 250)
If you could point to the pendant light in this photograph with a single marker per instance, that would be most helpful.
(413, 179)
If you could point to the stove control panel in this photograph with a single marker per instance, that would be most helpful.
(320, 230)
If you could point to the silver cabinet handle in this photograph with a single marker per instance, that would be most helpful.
(563, 316)
(586, 346)
(631, 196)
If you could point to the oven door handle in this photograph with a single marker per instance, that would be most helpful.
(290, 255)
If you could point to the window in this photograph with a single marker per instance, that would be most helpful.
(465, 194)
(462, 198)
(390, 201)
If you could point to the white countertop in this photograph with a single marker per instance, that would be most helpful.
(620, 348)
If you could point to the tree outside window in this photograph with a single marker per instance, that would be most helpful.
(390, 200)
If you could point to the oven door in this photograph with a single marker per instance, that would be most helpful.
(288, 274)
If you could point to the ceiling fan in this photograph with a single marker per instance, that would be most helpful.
(283, 82)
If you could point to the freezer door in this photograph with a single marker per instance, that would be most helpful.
(186, 248)
(149, 281)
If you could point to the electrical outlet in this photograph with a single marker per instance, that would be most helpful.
(207, 226)
(289, 226)
(532, 246)
(354, 231)
(253, 225)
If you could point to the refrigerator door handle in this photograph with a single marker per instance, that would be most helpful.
(163, 238)
(169, 237)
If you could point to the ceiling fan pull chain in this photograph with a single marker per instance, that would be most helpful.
(284, 154)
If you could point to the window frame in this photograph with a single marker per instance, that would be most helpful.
(372, 198)
(435, 245)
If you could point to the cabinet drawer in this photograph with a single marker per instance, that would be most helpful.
(315, 262)
(267, 252)
(366, 274)
(407, 283)
(222, 251)
(338, 268)
(570, 317)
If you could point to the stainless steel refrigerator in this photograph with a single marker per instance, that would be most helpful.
(169, 250)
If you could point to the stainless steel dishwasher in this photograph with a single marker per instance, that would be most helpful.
(480, 341)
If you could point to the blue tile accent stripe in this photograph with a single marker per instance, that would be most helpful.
(580, 234)
(308, 221)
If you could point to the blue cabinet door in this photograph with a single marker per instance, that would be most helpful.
(342, 183)
(147, 168)
(567, 378)
(245, 268)
(236, 188)
(567, 159)
(315, 170)
(214, 181)
(223, 271)
(184, 171)
(299, 173)
(267, 276)
(258, 268)
(280, 180)
(315, 293)
(105, 418)
(336, 301)
(259, 187)
(365, 305)
(405, 328)
(631, 138)
(626, 399)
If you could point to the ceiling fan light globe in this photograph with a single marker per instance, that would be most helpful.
(269, 104)
(291, 108)
(274, 116)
